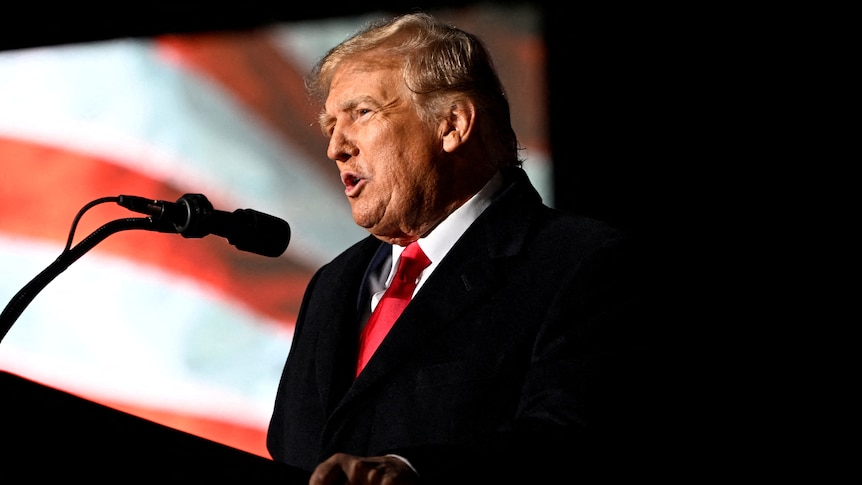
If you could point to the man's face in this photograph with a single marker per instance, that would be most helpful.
(389, 158)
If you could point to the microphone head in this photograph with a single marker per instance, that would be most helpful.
(259, 233)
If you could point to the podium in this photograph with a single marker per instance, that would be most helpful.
(51, 434)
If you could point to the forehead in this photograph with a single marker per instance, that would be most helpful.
(364, 78)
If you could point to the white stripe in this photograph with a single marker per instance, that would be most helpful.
(112, 328)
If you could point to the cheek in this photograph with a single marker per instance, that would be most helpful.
(418, 186)
(403, 156)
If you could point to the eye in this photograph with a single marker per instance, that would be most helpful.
(363, 111)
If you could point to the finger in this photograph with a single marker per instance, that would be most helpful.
(330, 471)
(362, 471)
(379, 471)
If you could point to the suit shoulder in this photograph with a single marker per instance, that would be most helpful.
(574, 230)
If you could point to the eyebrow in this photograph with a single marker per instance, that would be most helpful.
(325, 120)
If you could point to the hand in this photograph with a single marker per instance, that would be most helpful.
(344, 469)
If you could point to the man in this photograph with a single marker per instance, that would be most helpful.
(517, 356)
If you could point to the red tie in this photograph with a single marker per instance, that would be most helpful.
(399, 293)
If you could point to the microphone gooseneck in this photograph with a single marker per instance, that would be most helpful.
(192, 216)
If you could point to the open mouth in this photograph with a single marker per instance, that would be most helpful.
(351, 182)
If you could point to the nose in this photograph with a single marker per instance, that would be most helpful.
(340, 148)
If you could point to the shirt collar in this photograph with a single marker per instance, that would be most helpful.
(440, 240)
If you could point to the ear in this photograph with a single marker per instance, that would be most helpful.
(459, 124)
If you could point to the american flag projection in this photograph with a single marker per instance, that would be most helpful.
(191, 333)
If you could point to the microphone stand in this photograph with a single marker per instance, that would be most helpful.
(23, 298)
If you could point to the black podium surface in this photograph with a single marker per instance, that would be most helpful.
(50, 434)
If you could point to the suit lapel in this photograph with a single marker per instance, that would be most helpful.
(335, 346)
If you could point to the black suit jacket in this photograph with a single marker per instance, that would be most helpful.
(523, 348)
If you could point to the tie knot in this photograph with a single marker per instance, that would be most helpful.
(413, 261)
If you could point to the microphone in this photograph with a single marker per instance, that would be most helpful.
(193, 216)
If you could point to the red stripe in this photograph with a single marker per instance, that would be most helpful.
(43, 187)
